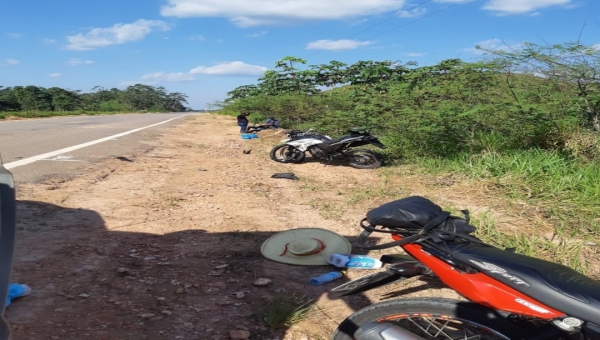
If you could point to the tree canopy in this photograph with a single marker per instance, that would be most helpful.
(137, 97)
(533, 96)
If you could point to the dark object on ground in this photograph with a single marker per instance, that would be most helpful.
(124, 159)
(287, 175)
(246, 152)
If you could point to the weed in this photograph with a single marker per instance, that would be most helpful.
(170, 201)
(561, 250)
(565, 190)
(307, 185)
(327, 209)
(285, 310)
(386, 190)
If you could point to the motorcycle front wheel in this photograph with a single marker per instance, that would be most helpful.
(286, 154)
(434, 318)
(364, 159)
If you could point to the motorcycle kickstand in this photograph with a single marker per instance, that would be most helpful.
(328, 161)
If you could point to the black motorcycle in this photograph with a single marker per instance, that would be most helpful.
(326, 149)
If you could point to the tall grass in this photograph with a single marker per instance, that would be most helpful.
(566, 188)
(560, 250)
(287, 309)
(536, 174)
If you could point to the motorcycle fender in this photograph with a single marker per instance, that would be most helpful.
(378, 144)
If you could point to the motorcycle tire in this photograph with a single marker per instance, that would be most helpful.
(286, 154)
(435, 318)
(364, 159)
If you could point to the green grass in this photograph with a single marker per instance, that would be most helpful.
(560, 196)
(285, 310)
(535, 174)
(567, 190)
(559, 249)
(562, 191)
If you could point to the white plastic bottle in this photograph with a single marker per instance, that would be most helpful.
(354, 261)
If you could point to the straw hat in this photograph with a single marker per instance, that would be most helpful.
(304, 246)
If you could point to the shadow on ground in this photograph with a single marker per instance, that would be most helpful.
(89, 282)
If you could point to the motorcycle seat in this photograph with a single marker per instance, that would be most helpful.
(552, 284)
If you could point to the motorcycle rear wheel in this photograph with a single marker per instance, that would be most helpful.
(364, 159)
(434, 318)
(286, 154)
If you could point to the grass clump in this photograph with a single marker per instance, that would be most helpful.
(566, 190)
(285, 310)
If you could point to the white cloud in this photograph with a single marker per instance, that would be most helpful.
(258, 34)
(412, 13)
(336, 45)
(159, 77)
(234, 68)
(414, 54)
(596, 47)
(507, 7)
(49, 41)
(77, 61)
(116, 34)
(248, 13)
(197, 37)
(15, 35)
(11, 61)
(55, 75)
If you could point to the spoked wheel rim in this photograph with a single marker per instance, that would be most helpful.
(442, 327)
(364, 159)
(287, 154)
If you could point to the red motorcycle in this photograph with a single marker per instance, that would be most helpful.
(510, 296)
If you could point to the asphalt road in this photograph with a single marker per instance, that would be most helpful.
(22, 140)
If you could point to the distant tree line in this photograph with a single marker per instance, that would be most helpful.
(55, 99)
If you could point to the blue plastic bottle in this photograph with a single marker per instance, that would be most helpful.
(354, 261)
(16, 290)
(331, 276)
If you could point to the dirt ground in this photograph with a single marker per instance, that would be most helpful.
(168, 246)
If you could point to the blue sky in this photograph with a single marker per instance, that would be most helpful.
(205, 48)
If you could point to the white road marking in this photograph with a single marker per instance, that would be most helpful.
(62, 158)
(30, 160)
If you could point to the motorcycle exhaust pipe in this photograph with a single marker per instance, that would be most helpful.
(384, 331)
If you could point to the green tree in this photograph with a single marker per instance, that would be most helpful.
(8, 100)
(33, 98)
(571, 68)
(64, 100)
(330, 75)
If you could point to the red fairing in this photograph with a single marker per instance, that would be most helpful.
(481, 288)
